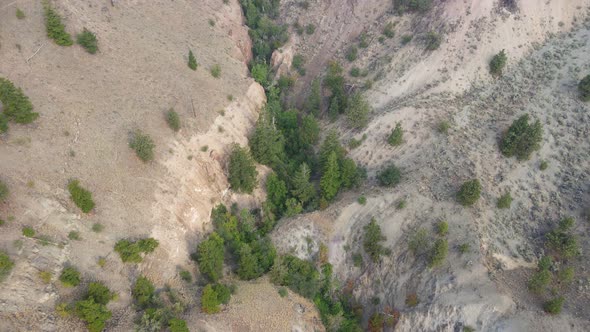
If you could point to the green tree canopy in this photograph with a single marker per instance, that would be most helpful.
(330, 181)
(242, 171)
(372, 241)
(522, 138)
(357, 112)
(303, 189)
(210, 254)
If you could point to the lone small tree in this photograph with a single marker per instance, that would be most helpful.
(584, 88)
(143, 145)
(469, 192)
(372, 241)
(396, 137)
(390, 176)
(522, 138)
(242, 171)
(497, 64)
(192, 61)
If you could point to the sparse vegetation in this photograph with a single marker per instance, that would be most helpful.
(432, 41)
(87, 39)
(390, 176)
(442, 228)
(562, 241)
(130, 251)
(438, 253)
(310, 29)
(396, 137)
(372, 241)
(401, 204)
(6, 265)
(177, 325)
(388, 30)
(242, 171)
(412, 300)
(143, 145)
(55, 28)
(362, 200)
(73, 235)
(419, 242)
(357, 112)
(352, 53)
(97, 228)
(3, 191)
(216, 71)
(543, 165)
(298, 64)
(469, 192)
(143, 292)
(70, 277)
(504, 201)
(192, 61)
(80, 196)
(406, 39)
(464, 248)
(443, 127)
(402, 6)
(522, 138)
(173, 119)
(498, 63)
(584, 88)
(28, 231)
(20, 14)
(554, 306)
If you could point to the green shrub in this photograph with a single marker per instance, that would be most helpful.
(563, 242)
(438, 253)
(210, 255)
(396, 137)
(419, 242)
(469, 192)
(242, 171)
(504, 201)
(362, 200)
(223, 293)
(45, 276)
(406, 39)
(3, 123)
(177, 325)
(539, 281)
(87, 39)
(363, 40)
(173, 119)
(97, 228)
(388, 30)
(442, 228)
(16, 105)
(372, 241)
(143, 292)
(401, 204)
(522, 138)
(443, 127)
(330, 181)
(412, 300)
(20, 14)
(554, 306)
(543, 165)
(70, 277)
(186, 276)
(355, 72)
(432, 41)
(99, 292)
(73, 235)
(215, 70)
(80, 196)
(390, 176)
(28, 231)
(310, 29)
(298, 63)
(209, 300)
(545, 263)
(3, 191)
(283, 292)
(464, 248)
(55, 28)
(143, 146)
(259, 73)
(566, 276)
(357, 111)
(584, 88)
(94, 314)
(497, 64)
(352, 53)
(402, 6)
(192, 61)
(130, 251)
(6, 265)
(299, 275)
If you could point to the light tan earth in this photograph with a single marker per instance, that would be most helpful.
(88, 104)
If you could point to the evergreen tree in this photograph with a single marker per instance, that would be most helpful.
(242, 171)
(522, 138)
(247, 263)
(314, 101)
(94, 314)
(357, 112)
(372, 240)
(309, 131)
(267, 142)
(349, 173)
(210, 254)
(331, 144)
(303, 190)
(330, 181)
(192, 61)
(209, 301)
(276, 192)
(584, 88)
(498, 62)
(397, 135)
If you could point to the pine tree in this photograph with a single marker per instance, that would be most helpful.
(331, 144)
(209, 301)
(247, 264)
(357, 112)
(303, 190)
(267, 142)
(192, 61)
(242, 171)
(276, 193)
(397, 135)
(372, 240)
(314, 101)
(330, 181)
(349, 173)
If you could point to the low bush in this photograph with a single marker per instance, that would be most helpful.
(543, 165)
(402, 6)
(298, 64)
(99, 292)
(143, 292)
(390, 176)
(412, 300)
(87, 39)
(28, 231)
(352, 53)
(584, 88)
(469, 192)
(80, 196)
(3, 191)
(6, 265)
(443, 127)
(16, 105)
(396, 137)
(55, 28)
(401, 204)
(209, 300)
(94, 314)
(143, 145)
(442, 228)
(419, 242)
(562, 241)
(45, 276)
(438, 253)
(539, 281)
(73, 235)
(70, 277)
(173, 119)
(130, 251)
(554, 306)
(186, 276)
(406, 39)
(504, 201)
(310, 29)
(388, 30)
(177, 325)
(522, 138)
(432, 41)
(216, 71)
(566, 276)
(20, 14)
(497, 63)
(192, 61)
(362, 200)
(97, 228)
(464, 248)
